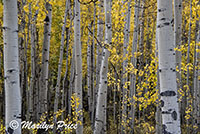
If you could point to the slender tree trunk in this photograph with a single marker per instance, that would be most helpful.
(124, 66)
(133, 62)
(89, 74)
(11, 68)
(99, 55)
(100, 119)
(187, 95)
(78, 66)
(45, 60)
(56, 102)
(71, 81)
(158, 108)
(167, 68)
(33, 68)
(65, 81)
(93, 65)
(177, 34)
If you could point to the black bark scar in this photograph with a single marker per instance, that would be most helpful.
(168, 93)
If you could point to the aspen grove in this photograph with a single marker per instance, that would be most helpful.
(99, 66)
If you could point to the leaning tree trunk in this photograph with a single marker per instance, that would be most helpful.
(167, 69)
(78, 68)
(100, 118)
(11, 68)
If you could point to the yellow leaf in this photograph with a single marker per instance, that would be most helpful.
(26, 8)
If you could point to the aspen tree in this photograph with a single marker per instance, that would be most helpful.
(188, 71)
(124, 66)
(45, 59)
(94, 90)
(60, 61)
(78, 68)
(177, 36)
(11, 68)
(65, 85)
(89, 74)
(32, 86)
(167, 68)
(100, 121)
(100, 34)
(133, 62)
(158, 108)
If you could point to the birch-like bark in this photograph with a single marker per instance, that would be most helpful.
(100, 118)
(71, 81)
(45, 60)
(100, 29)
(89, 71)
(65, 84)
(93, 65)
(11, 68)
(78, 67)
(33, 68)
(167, 68)
(177, 36)
(133, 62)
(60, 60)
(124, 66)
(158, 108)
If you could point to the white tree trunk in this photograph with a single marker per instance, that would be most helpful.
(100, 29)
(78, 67)
(125, 63)
(11, 68)
(100, 118)
(167, 68)
(89, 73)
(177, 34)
(133, 62)
(57, 93)
(45, 60)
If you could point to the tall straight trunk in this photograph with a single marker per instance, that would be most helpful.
(100, 29)
(89, 74)
(78, 67)
(133, 62)
(11, 68)
(167, 68)
(33, 68)
(93, 64)
(177, 36)
(45, 60)
(178, 42)
(187, 90)
(100, 118)
(71, 81)
(60, 60)
(158, 108)
(124, 66)
(65, 83)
